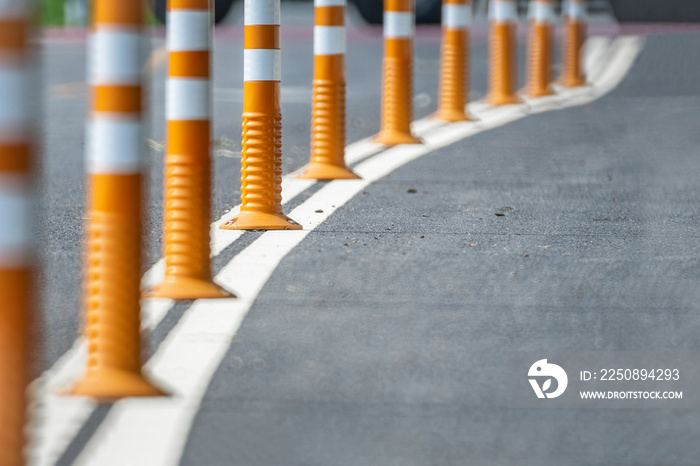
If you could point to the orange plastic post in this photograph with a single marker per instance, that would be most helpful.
(114, 165)
(328, 103)
(16, 292)
(188, 160)
(503, 17)
(397, 74)
(261, 180)
(540, 49)
(574, 37)
(454, 61)
(17, 288)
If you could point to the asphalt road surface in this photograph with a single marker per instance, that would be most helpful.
(385, 336)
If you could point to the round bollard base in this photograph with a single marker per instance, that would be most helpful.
(186, 288)
(395, 138)
(452, 116)
(260, 221)
(326, 171)
(107, 385)
(498, 100)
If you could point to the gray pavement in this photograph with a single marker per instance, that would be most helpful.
(385, 336)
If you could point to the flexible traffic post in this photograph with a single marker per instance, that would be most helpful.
(574, 12)
(261, 164)
(328, 108)
(540, 45)
(503, 60)
(397, 74)
(114, 167)
(17, 289)
(188, 160)
(453, 93)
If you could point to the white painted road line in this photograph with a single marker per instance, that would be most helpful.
(154, 431)
(595, 48)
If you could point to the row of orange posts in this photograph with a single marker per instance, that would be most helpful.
(114, 162)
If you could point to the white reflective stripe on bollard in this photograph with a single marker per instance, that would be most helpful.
(456, 16)
(318, 3)
(503, 11)
(398, 25)
(114, 144)
(187, 99)
(14, 95)
(114, 56)
(262, 65)
(17, 227)
(262, 12)
(188, 31)
(575, 10)
(542, 12)
(329, 40)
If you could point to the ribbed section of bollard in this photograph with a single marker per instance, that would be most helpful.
(187, 204)
(113, 276)
(259, 176)
(454, 85)
(186, 229)
(502, 53)
(327, 123)
(328, 133)
(397, 75)
(114, 165)
(188, 156)
(112, 321)
(261, 161)
(17, 233)
(397, 91)
(328, 103)
(574, 13)
(540, 49)
(278, 163)
(453, 94)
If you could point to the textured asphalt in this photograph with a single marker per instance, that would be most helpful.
(384, 337)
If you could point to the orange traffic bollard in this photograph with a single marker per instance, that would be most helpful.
(328, 106)
(574, 12)
(261, 180)
(397, 74)
(17, 290)
(114, 166)
(540, 48)
(454, 61)
(503, 17)
(188, 159)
